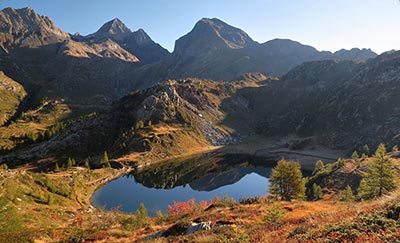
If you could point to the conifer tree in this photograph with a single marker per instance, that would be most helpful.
(87, 164)
(69, 163)
(366, 150)
(355, 155)
(340, 163)
(317, 191)
(141, 215)
(105, 161)
(57, 168)
(380, 177)
(364, 156)
(347, 194)
(287, 180)
(319, 166)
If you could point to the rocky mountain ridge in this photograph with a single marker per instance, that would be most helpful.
(228, 52)
(114, 60)
(341, 104)
(25, 28)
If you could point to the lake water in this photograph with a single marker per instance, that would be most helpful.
(202, 177)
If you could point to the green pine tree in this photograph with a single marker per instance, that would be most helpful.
(380, 177)
(319, 166)
(355, 155)
(57, 168)
(105, 161)
(141, 215)
(347, 194)
(340, 163)
(364, 156)
(287, 180)
(366, 150)
(317, 192)
(87, 164)
(69, 163)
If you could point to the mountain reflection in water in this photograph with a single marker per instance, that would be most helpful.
(201, 177)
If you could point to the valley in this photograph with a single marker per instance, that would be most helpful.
(109, 137)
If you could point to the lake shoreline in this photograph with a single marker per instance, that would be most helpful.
(269, 149)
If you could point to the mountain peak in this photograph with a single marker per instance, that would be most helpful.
(354, 54)
(141, 37)
(212, 34)
(114, 28)
(234, 38)
(24, 27)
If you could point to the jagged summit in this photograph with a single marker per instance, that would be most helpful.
(141, 37)
(138, 43)
(354, 54)
(25, 28)
(114, 29)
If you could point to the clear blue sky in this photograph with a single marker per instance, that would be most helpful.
(324, 24)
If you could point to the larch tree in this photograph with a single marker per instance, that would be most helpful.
(380, 177)
(319, 166)
(287, 181)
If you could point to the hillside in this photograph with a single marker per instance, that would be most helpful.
(162, 120)
(12, 95)
(316, 106)
(350, 103)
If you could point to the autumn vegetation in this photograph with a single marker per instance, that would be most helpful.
(297, 209)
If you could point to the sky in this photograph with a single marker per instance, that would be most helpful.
(324, 24)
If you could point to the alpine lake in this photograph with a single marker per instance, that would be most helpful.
(202, 178)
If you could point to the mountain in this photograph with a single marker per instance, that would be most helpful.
(340, 104)
(215, 50)
(51, 63)
(101, 67)
(335, 104)
(114, 29)
(138, 43)
(212, 34)
(25, 28)
(354, 54)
